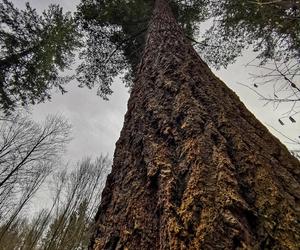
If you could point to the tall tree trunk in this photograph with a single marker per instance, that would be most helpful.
(193, 168)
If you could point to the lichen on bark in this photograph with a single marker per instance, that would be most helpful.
(193, 168)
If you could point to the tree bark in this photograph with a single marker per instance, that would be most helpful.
(193, 168)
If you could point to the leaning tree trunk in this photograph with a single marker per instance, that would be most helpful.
(193, 168)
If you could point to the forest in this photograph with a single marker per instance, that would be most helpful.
(207, 154)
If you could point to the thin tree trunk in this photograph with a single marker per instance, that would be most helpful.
(193, 168)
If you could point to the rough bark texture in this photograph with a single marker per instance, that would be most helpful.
(193, 168)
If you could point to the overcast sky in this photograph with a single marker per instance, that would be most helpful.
(97, 123)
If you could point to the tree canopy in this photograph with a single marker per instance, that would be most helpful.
(269, 28)
(34, 50)
(116, 32)
(272, 28)
(111, 36)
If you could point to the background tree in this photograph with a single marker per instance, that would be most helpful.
(29, 189)
(269, 28)
(34, 50)
(81, 188)
(34, 230)
(67, 223)
(14, 236)
(28, 154)
(25, 143)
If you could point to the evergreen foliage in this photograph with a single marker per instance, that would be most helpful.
(272, 28)
(116, 32)
(111, 34)
(34, 50)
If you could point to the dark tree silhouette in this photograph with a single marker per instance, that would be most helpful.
(34, 49)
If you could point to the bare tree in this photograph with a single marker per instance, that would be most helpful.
(79, 200)
(283, 78)
(28, 152)
(34, 231)
(276, 83)
(30, 188)
(25, 143)
(14, 236)
(295, 143)
(67, 223)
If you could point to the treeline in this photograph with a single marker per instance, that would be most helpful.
(32, 174)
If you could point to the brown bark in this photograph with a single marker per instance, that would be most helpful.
(193, 168)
